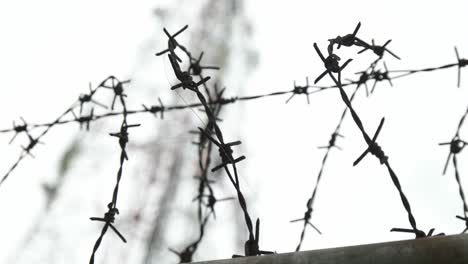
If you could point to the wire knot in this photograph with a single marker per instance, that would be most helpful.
(251, 246)
(373, 147)
(154, 109)
(109, 216)
(331, 63)
(456, 146)
(108, 219)
(377, 151)
(196, 68)
(186, 80)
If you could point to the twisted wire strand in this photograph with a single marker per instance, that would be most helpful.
(109, 216)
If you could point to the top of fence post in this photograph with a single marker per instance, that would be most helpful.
(442, 249)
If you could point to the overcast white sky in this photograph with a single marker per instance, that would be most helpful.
(49, 51)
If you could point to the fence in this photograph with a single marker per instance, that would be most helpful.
(193, 79)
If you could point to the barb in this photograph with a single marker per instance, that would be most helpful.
(379, 50)
(116, 86)
(461, 63)
(331, 63)
(19, 129)
(84, 119)
(196, 68)
(348, 40)
(88, 98)
(418, 233)
(380, 76)
(172, 43)
(156, 109)
(302, 90)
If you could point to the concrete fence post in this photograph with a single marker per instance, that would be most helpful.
(441, 250)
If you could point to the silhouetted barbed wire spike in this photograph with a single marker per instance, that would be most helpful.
(116, 87)
(122, 135)
(108, 219)
(172, 43)
(196, 68)
(331, 63)
(86, 98)
(156, 109)
(251, 246)
(461, 63)
(349, 39)
(379, 50)
(186, 255)
(379, 76)
(84, 119)
(18, 129)
(466, 222)
(118, 92)
(332, 141)
(363, 78)
(456, 145)
(418, 233)
(300, 90)
(32, 143)
(212, 200)
(186, 81)
(225, 151)
(374, 148)
(306, 218)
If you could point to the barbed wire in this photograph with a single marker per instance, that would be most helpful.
(226, 153)
(377, 76)
(122, 135)
(456, 145)
(366, 75)
(212, 136)
(206, 198)
(332, 66)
